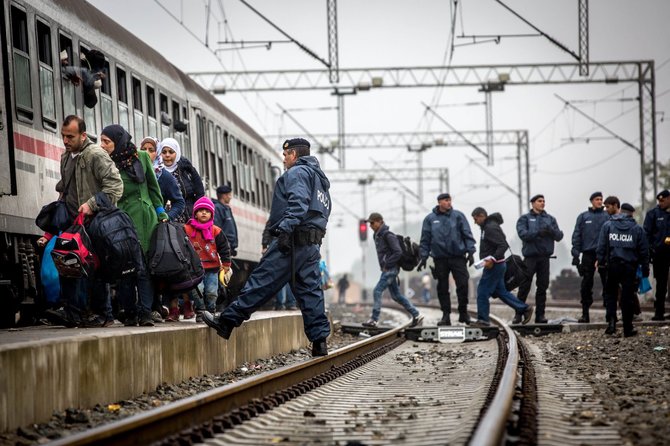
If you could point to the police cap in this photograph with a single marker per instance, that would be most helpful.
(295, 143)
(595, 195)
(225, 189)
(627, 207)
(444, 196)
(536, 197)
(663, 194)
(375, 216)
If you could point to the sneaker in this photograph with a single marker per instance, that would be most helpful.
(173, 315)
(222, 328)
(517, 319)
(188, 310)
(480, 323)
(417, 320)
(528, 314)
(156, 317)
(146, 321)
(95, 321)
(370, 323)
(319, 348)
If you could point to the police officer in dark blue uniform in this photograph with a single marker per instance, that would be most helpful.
(538, 231)
(585, 242)
(622, 246)
(300, 209)
(657, 227)
(223, 216)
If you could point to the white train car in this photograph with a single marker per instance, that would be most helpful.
(143, 92)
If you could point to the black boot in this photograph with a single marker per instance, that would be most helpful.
(319, 348)
(445, 321)
(585, 316)
(464, 317)
(611, 327)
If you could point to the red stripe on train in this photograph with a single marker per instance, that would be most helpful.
(37, 147)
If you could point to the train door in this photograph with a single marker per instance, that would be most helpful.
(7, 184)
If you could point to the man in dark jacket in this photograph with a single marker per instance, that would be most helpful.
(223, 216)
(298, 217)
(538, 231)
(388, 255)
(584, 242)
(622, 247)
(657, 228)
(446, 236)
(492, 247)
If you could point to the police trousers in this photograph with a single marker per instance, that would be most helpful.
(538, 266)
(621, 273)
(268, 278)
(457, 267)
(661, 268)
(588, 271)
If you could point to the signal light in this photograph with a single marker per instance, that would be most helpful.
(362, 230)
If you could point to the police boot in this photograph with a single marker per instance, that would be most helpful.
(445, 321)
(611, 327)
(464, 317)
(585, 316)
(319, 348)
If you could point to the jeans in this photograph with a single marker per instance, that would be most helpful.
(493, 283)
(388, 280)
(425, 294)
(136, 304)
(101, 302)
(209, 288)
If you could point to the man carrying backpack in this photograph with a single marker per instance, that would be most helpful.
(446, 236)
(388, 254)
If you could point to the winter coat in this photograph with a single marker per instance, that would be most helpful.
(622, 238)
(388, 248)
(94, 172)
(212, 253)
(446, 234)
(587, 230)
(657, 228)
(493, 241)
(190, 184)
(301, 197)
(224, 219)
(538, 233)
(170, 191)
(143, 201)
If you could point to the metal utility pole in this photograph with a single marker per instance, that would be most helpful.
(583, 11)
(333, 73)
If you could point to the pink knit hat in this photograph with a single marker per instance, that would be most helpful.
(203, 203)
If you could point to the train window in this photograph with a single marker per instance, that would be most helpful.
(106, 98)
(46, 72)
(138, 109)
(122, 97)
(22, 85)
(219, 158)
(201, 141)
(187, 143)
(235, 176)
(163, 104)
(69, 101)
(89, 113)
(211, 154)
(175, 119)
(151, 112)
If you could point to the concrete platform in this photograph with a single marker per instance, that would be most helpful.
(43, 369)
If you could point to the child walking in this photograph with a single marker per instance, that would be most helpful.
(213, 249)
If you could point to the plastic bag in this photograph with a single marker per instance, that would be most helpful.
(49, 275)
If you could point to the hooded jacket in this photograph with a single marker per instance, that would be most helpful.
(493, 241)
(388, 248)
(301, 197)
(587, 229)
(446, 234)
(538, 232)
(657, 228)
(622, 238)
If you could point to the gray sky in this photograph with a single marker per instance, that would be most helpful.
(416, 33)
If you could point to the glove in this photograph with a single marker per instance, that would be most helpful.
(224, 276)
(284, 242)
(547, 232)
(471, 259)
(233, 252)
(422, 264)
(575, 261)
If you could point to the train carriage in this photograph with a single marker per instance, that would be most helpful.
(140, 90)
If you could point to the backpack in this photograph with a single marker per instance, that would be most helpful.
(73, 252)
(172, 260)
(409, 259)
(115, 241)
(516, 273)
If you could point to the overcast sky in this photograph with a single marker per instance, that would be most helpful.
(409, 33)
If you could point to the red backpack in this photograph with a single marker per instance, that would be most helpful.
(72, 253)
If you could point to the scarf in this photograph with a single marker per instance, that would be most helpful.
(174, 145)
(205, 228)
(124, 154)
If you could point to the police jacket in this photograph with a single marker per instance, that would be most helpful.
(388, 248)
(223, 218)
(587, 229)
(301, 197)
(538, 233)
(657, 228)
(622, 238)
(446, 234)
(493, 241)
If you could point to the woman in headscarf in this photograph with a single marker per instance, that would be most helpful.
(142, 201)
(187, 177)
(173, 200)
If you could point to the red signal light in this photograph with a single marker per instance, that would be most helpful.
(362, 230)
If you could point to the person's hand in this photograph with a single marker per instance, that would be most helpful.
(422, 264)
(233, 252)
(264, 249)
(86, 209)
(471, 259)
(284, 242)
(42, 242)
(547, 232)
(488, 264)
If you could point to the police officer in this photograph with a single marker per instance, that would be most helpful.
(300, 209)
(538, 231)
(622, 246)
(223, 216)
(585, 242)
(657, 228)
(446, 236)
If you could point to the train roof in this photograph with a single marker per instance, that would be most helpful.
(92, 17)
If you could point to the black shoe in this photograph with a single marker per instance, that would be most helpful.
(517, 318)
(417, 320)
(528, 314)
(481, 324)
(222, 329)
(583, 320)
(658, 317)
(146, 321)
(611, 328)
(445, 321)
(541, 320)
(464, 318)
(130, 320)
(629, 333)
(198, 318)
(319, 348)
(61, 317)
